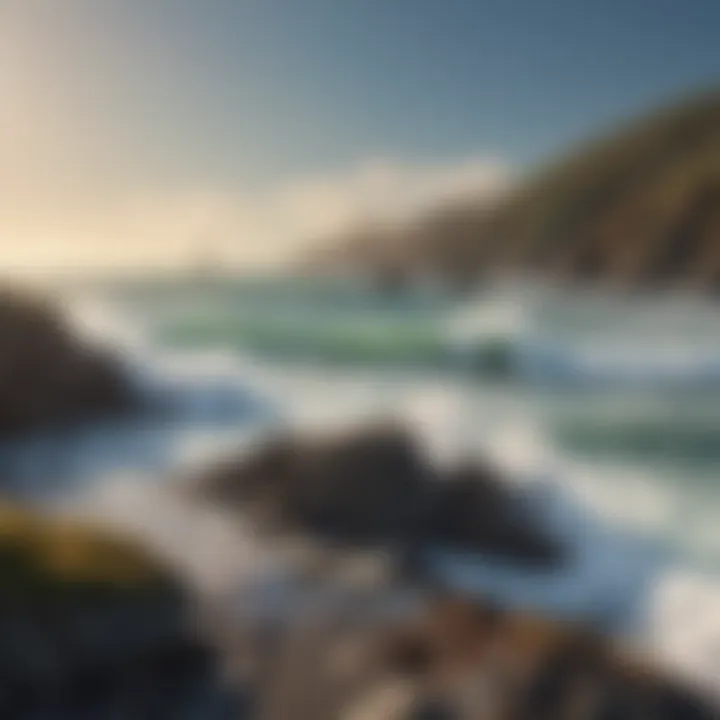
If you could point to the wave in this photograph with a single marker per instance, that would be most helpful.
(644, 554)
(191, 406)
(504, 337)
(640, 528)
(345, 343)
(617, 580)
(661, 439)
(629, 546)
(492, 355)
(632, 364)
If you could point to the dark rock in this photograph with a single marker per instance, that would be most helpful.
(48, 375)
(375, 488)
(367, 487)
(473, 510)
(527, 668)
(93, 626)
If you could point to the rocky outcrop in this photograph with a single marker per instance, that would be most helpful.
(639, 208)
(472, 508)
(92, 626)
(463, 661)
(375, 487)
(48, 375)
(385, 655)
(363, 488)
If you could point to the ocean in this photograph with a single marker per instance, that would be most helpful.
(606, 410)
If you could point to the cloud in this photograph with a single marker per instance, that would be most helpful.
(238, 227)
(383, 190)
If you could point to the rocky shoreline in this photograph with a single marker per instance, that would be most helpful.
(98, 624)
(334, 641)
(348, 649)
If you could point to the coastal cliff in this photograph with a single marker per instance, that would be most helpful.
(638, 208)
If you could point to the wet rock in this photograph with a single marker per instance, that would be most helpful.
(480, 663)
(351, 657)
(367, 487)
(48, 375)
(473, 510)
(93, 626)
(375, 487)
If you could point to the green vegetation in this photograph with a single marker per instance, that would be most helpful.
(47, 558)
(638, 208)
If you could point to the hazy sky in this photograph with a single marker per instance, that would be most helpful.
(139, 130)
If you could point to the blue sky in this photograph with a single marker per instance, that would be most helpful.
(163, 96)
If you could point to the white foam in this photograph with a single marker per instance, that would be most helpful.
(683, 626)
(212, 549)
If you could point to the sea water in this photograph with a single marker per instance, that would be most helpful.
(606, 410)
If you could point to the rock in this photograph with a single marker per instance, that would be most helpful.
(393, 654)
(473, 510)
(599, 215)
(374, 487)
(322, 652)
(367, 487)
(93, 626)
(50, 376)
(472, 661)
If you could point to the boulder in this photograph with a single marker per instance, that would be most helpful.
(48, 374)
(375, 487)
(474, 510)
(93, 626)
(360, 488)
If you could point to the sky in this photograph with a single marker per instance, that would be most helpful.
(148, 132)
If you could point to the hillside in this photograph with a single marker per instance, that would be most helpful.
(639, 207)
